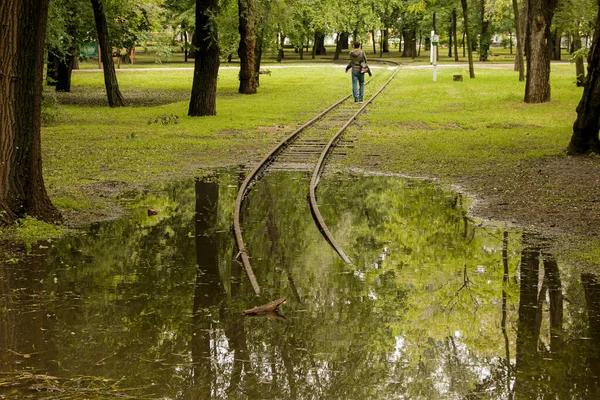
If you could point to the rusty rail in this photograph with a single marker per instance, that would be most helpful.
(255, 172)
(316, 176)
(246, 185)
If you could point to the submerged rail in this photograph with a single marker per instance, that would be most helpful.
(264, 163)
(316, 176)
(246, 185)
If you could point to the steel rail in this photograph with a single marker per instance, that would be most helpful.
(246, 185)
(316, 176)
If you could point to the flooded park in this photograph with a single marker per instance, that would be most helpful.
(434, 304)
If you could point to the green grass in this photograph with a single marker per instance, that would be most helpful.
(92, 142)
(458, 128)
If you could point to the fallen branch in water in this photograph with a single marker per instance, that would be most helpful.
(272, 306)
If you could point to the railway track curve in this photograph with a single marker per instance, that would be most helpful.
(302, 149)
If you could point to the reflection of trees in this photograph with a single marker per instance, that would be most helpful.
(208, 290)
(540, 368)
(25, 320)
(591, 287)
(129, 292)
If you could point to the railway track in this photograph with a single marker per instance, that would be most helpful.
(307, 148)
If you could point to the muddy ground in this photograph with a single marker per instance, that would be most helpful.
(557, 197)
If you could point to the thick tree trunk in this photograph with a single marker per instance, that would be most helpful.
(579, 65)
(408, 36)
(206, 65)
(65, 69)
(22, 190)
(319, 45)
(115, 98)
(485, 38)
(519, 61)
(344, 36)
(247, 47)
(468, 37)
(585, 129)
(538, 44)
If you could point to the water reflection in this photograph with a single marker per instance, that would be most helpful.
(434, 307)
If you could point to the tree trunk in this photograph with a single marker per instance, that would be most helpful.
(258, 56)
(206, 65)
(455, 34)
(408, 36)
(386, 40)
(585, 129)
(539, 45)
(556, 38)
(373, 34)
(22, 189)
(468, 36)
(52, 67)
(319, 45)
(65, 68)
(344, 36)
(485, 38)
(247, 47)
(450, 38)
(579, 67)
(185, 46)
(280, 47)
(115, 99)
(67, 61)
(519, 61)
(338, 47)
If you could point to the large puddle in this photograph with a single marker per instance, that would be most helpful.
(433, 307)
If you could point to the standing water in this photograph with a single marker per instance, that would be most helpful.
(433, 306)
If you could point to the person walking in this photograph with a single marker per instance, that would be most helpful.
(357, 56)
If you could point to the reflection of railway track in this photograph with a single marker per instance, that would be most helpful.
(306, 148)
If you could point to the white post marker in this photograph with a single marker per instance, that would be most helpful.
(431, 48)
(435, 39)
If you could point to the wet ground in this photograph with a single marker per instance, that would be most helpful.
(432, 307)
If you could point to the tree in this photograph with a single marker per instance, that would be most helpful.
(585, 129)
(468, 37)
(22, 190)
(520, 60)
(486, 35)
(115, 98)
(206, 65)
(539, 47)
(247, 46)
